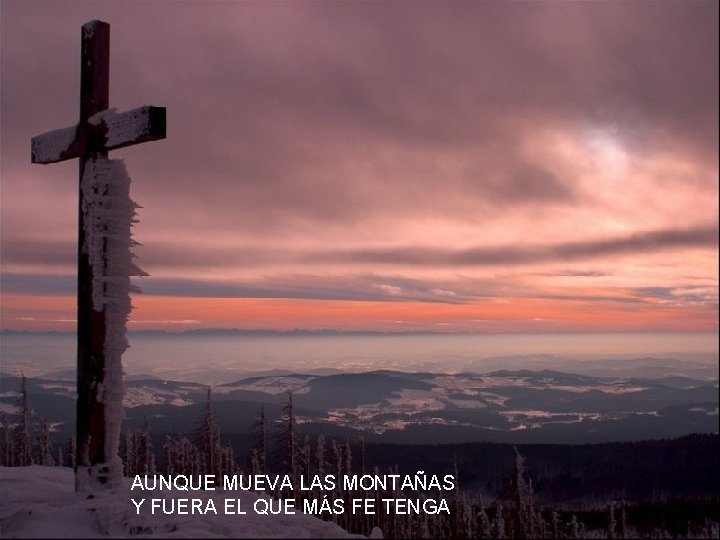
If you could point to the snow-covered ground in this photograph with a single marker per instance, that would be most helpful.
(40, 502)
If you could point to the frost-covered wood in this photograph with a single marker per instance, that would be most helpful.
(54, 146)
(112, 130)
(108, 214)
(139, 125)
(105, 260)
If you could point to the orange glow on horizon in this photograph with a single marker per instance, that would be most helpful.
(485, 315)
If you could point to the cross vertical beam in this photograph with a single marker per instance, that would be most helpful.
(102, 261)
(91, 324)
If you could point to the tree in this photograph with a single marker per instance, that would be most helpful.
(362, 455)
(320, 455)
(574, 528)
(180, 455)
(305, 455)
(7, 450)
(139, 456)
(498, 528)
(612, 524)
(226, 461)
(22, 441)
(483, 522)
(207, 439)
(258, 456)
(44, 456)
(525, 518)
(287, 437)
(71, 452)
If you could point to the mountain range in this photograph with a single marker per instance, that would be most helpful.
(519, 406)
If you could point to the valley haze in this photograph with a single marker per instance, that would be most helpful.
(217, 356)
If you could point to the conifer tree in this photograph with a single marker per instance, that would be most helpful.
(305, 458)
(44, 456)
(347, 458)
(288, 438)
(483, 522)
(146, 457)
(362, 455)
(612, 524)
(574, 528)
(555, 524)
(320, 454)
(226, 461)
(337, 455)
(499, 522)
(525, 520)
(7, 450)
(71, 452)
(21, 437)
(207, 439)
(180, 455)
(130, 455)
(259, 452)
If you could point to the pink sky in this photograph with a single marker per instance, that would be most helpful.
(481, 166)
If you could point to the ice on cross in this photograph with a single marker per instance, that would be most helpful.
(105, 258)
(108, 214)
(114, 130)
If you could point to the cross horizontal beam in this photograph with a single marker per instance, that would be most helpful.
(115, 130)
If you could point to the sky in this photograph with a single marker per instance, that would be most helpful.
(389, 166)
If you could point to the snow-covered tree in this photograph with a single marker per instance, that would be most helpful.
(43, 444)
(320, 455)
(305, 458)
(7, 450)
(71, 452)
(207, 439)
(288, 437)
(622, 525)
(226, 461)
(347, 457)
(483, 527)
(258, 458)
(555, 525)
(22, 441)
(139, 456)
(180, 455)
(575, 528)
(336, 450)
(525, 519)
(498, 528)
(612, 524)
(361, 456)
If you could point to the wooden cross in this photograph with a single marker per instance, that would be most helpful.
(91, 139)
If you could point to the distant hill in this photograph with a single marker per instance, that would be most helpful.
(519, 406)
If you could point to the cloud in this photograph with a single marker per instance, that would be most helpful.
(271, 122)
(648, 242)
(178, 256)
(342, 139)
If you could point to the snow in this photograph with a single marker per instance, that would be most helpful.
(8, 408)
(108, 214)
(88, 29)
(713, 412)
(125, 127)
(40, 502)
(143, 396)
(269, 385)
(467, 403)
